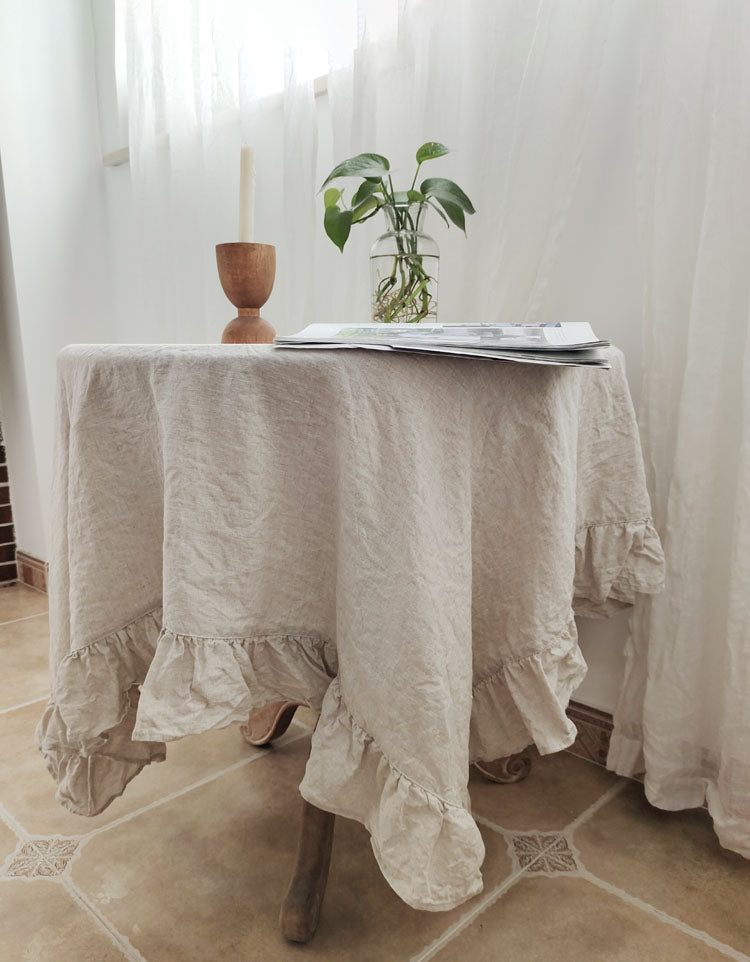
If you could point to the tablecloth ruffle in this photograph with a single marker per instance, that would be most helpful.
(444, 842)
(525, 700)
(614, 562)
(101, 730)
(198, 684)
(92, 773)
(424, 546)
(88, 747)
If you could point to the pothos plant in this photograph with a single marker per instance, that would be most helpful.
(403, 292)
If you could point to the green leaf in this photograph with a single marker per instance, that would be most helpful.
(434, 206)
(444, 189)
(363, 165)
(430, 151)
(401, 197)
(337, 225)
(331, 197)
(415, 197)
(366, 189)
(368, 204)
(455, 213)
(371, 214)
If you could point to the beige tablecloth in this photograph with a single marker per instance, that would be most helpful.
(399, 542)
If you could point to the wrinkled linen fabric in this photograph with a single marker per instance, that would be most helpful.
(397, 542)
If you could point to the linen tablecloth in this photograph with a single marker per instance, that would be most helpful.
(399, 542)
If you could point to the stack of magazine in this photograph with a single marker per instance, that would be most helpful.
(562, 343)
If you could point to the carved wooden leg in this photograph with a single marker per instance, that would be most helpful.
(512, 768)
(269, 722)
(301, 908)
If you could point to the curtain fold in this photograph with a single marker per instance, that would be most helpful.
(684, 711)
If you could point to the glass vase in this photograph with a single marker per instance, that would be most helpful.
(404, 268)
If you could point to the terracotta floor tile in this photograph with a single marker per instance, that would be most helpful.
(8, 841)
(571, 920)
(44, 923)
(556, 791)
(28, 791)
(20, 601)
(24, 661)
(203, 877)
(671, 860)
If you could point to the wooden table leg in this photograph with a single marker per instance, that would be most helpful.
(301, 908)
(269, 722)
(511, 768)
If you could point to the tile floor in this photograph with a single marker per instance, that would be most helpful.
(193, 861)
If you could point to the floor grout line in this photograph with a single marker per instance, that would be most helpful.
(554, 836)
(584, 816)
(122, 942)
(14, 621)
(260, 754)
(24, 704)
(26, 837)
(453, 931)
(14, 825)
(600, 802)
(582, 872)
(466, 920)
(698, 934)
(488, 823)
(116, 937)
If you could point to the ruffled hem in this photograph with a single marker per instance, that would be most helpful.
(429, 850)
(197, 684)
(524, 701)
(614, 562)
(85, 735)
(92, 683)
(98, 733)
(92, 773)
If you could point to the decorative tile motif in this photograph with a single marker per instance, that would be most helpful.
(543, 854)
(42, 857)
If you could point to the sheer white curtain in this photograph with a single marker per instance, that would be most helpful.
(567, 117)
(203, 78)
(510, 85)
(684, 714)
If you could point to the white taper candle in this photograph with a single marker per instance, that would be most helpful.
(247, 193)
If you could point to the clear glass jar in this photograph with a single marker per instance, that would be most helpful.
(404, 268)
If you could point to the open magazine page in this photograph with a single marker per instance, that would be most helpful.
(560, 343)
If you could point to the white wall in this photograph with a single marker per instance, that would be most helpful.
(56, 231)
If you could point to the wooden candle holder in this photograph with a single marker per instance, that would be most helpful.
(247, 273)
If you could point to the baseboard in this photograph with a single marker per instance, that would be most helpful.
(32, 571)
(594, 731)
